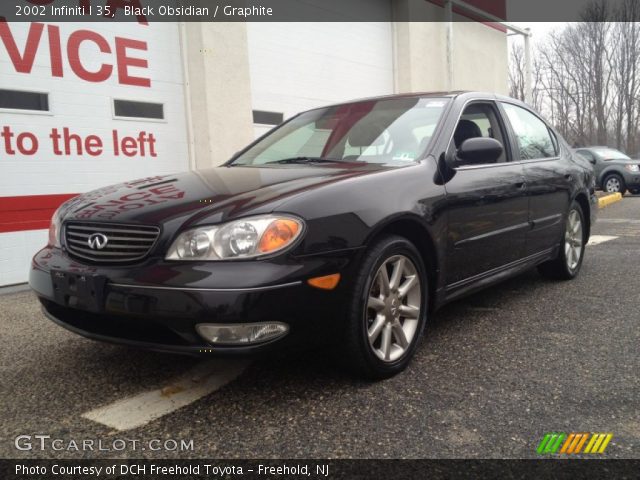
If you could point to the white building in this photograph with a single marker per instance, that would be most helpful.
(86, 105)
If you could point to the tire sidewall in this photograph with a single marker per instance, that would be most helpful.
(618, 177)
(385, 249)
(573, 273)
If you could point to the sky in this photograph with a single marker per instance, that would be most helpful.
(539, 30)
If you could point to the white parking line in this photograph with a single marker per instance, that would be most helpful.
(141, 409)
(598, 239)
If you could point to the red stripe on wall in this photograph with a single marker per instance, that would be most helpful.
(29, 212)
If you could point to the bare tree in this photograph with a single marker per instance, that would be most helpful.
(626, 74)
(517, 70)
(586, 77)
(517, 73)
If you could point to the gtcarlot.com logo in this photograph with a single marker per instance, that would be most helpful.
(574, 443)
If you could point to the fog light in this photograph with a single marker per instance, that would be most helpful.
(241, 333)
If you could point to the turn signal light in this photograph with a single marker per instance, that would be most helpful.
(328, 282)
(279, 233)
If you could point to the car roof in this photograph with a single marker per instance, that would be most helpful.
(468, 94)
(597, 147)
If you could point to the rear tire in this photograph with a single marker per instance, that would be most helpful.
(614, 183)
(388, 309)
(566, 265)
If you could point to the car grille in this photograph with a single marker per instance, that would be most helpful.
(126, 243)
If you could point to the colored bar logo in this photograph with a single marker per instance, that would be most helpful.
(573, 443)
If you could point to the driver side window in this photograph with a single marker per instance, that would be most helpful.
(479, 120)
(587, 154)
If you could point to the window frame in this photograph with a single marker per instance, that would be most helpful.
(137, 119)
(514, 137)
(24, 111)
(507, 145)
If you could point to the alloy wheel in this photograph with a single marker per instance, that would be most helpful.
(613, 185)
(393, 308)
(573, 240)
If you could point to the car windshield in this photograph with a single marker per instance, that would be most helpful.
(391, 131)
(612, 154)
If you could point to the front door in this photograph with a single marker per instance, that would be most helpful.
(487, 205)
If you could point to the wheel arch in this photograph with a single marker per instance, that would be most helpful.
(583, 201)
(413, 229)
(611, 170)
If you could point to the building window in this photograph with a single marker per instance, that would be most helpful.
(126, 108)
(267, 118)
(19, 100)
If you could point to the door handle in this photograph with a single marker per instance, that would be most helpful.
(568, 176)
(521, 185)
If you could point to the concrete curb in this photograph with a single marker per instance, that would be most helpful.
(609, 199)
(17, 288)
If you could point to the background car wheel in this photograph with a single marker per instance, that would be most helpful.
(614, 183)
(388, 309)
(569, 260)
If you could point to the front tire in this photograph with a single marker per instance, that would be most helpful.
(388, 309)
(566, 265)
(614, 183)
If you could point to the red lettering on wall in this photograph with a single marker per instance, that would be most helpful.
(55, 51)
(124, 62)
(22, 62)
(24, 139)
(73, 52)
(125, 56)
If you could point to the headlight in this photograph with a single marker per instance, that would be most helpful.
(54, 230)
(246, 238)
(632, 168)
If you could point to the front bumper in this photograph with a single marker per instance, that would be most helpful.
(631, 179)
(157, 305)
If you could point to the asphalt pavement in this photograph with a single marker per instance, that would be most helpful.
(494, 373)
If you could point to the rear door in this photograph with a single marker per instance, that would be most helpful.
(486, 203)
(548, 175)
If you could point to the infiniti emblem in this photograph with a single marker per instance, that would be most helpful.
(394, 307)
(97, 241)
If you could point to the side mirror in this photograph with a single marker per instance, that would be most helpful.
(478, 150)
(592, 160)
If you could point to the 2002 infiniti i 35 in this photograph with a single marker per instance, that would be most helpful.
(347, 224)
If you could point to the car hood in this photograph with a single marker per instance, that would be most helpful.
(621, 161)
(206, 196)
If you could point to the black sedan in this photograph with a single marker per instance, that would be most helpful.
(346, 225)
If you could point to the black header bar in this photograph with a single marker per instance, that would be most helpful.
(147, 11)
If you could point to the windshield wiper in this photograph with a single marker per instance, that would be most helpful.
(303, 160)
